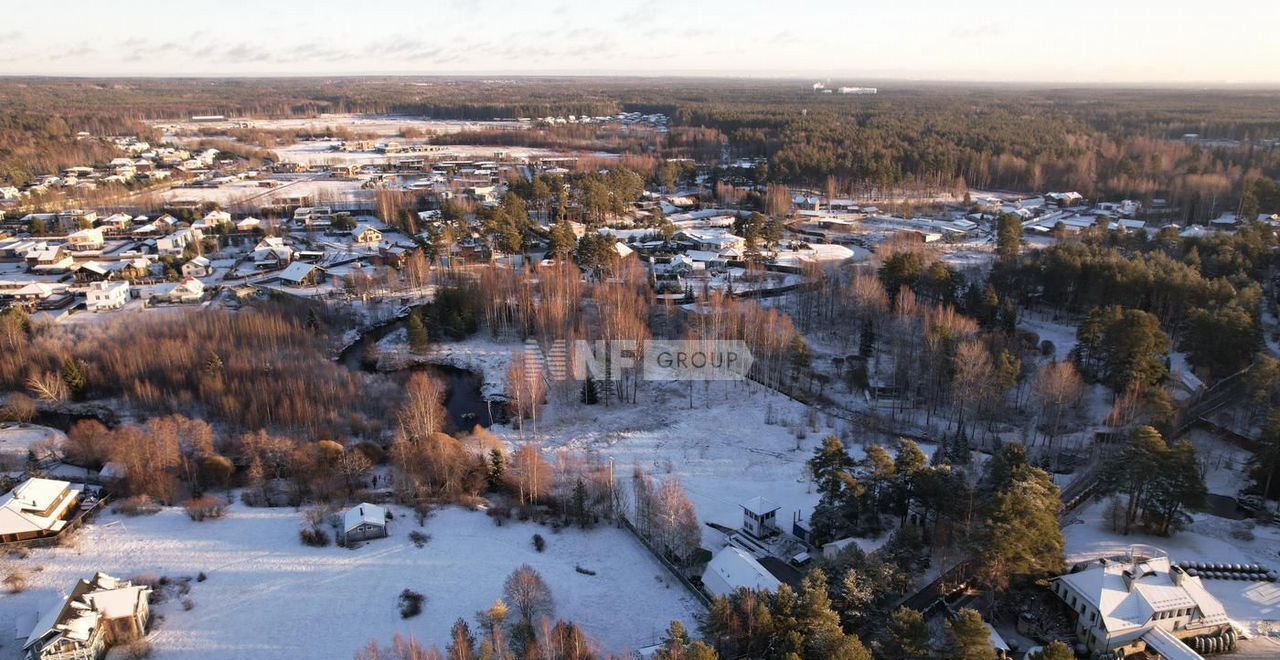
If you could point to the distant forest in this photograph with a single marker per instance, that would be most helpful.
(1105, 142)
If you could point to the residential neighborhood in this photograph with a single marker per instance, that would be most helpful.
(638, 331)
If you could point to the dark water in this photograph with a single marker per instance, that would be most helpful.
(464, 400)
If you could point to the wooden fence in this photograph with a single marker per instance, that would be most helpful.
(76, 522)
(688, 584)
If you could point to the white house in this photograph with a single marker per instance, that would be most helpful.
(213, 220)
(36, 508)
(759, 517)
(85, 240)
(271, 252)
(249, 224)
(362, 522)
(117, 221)
(197, 267)
(1141, 602)
(712, 240)
(174, 244)
(301, 274)
(103, 296)
(96, 615)
(189, 290)
(366, 234)
(732, 568)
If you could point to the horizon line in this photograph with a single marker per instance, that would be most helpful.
(1259, 85)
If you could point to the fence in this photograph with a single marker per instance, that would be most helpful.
(688, 584)
(76, 523)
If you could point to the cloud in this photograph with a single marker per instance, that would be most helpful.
(81, 51)
(11, 36)
(245, 53)
(978, 31)
(643, 13)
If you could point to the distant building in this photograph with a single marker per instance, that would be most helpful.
(98, 614)
(858, 91)
(174, 244)
(732, 568)
(760, 517)
(363, 522)
(85, 240)
(365, 234)
(105, 296)
(197, 267)
(37, 508)
(301, 274)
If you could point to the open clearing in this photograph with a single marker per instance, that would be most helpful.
(267, 595)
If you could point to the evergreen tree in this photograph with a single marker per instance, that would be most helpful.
(1056, 650)
(967, 637)
(419, 341)
(1134, 471)
(74, 378)
(909, 637)
(1020, 536)
(1178, 487)
(1008, 236)
(497, 467)
(579, 507)
(1266, 460)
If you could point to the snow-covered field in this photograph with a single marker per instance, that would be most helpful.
(268, 596)
(737, 442)
(322, 153)
(321, 190)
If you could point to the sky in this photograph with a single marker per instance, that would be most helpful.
(847, 41)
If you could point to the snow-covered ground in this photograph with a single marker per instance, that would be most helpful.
(489, 359)
(267, 595)
(737, 442)
(16, 440)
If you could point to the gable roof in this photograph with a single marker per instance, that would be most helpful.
(732, 568)
(363, 513)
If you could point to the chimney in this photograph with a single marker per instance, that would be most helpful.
(1177, 575)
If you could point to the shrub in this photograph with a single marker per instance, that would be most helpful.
(539, 543)
(314, 537)
(188, 604)
(138, 505)
(584, 571)
(15, 582)
(201, 577)
(410, 603)
(206, 507)
(419, 539)
(138, 649)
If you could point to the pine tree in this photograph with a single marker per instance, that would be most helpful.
(497, 466)
(1056, 650)
(1008, 236)
(419, 341)
(74, 378)
(590, 392)
(1135, 470)
(579, 509)
(1020, 535)
(909, 636)
(1178, 487)
(967, 637)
